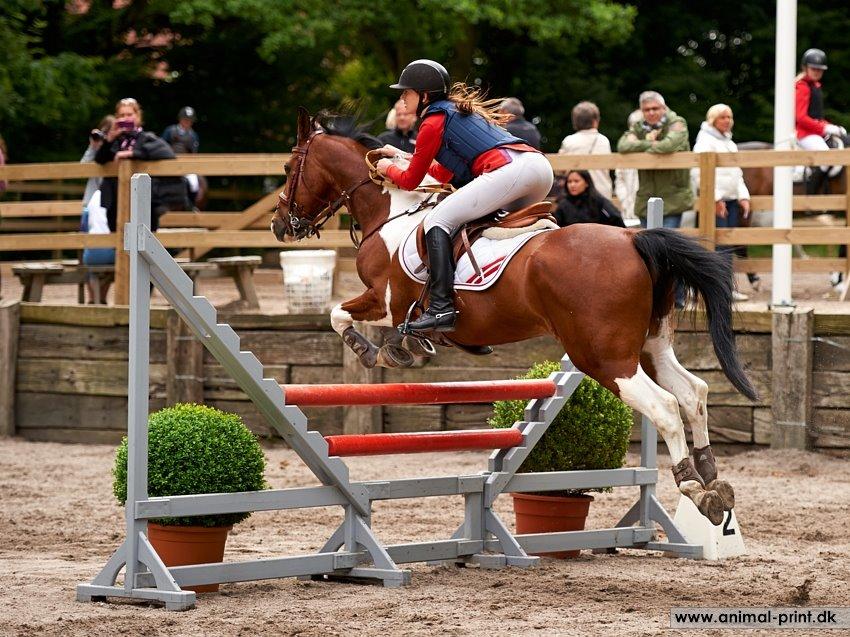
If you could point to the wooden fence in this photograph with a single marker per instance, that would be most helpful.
(248, 229)
(74, 360)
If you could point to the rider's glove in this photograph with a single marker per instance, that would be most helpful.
(831, 129)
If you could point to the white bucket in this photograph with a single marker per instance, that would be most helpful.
(308, 279)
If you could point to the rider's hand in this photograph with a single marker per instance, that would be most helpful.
(124, 154)
(745, 207)
(831, 129)
(390, 151)
(720, 209)
(383, 165)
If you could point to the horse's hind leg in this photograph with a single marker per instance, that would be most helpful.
(641, 393)
(692, 394)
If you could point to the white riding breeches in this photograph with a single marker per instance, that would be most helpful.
(814, 142)
(527, 179)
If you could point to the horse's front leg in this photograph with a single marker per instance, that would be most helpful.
(367, 307)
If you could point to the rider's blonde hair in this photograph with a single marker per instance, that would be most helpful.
(472, 99)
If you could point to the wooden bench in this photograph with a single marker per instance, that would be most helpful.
(35, 276)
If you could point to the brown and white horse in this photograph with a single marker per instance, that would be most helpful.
(605, 293)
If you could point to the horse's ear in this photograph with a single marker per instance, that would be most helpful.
(305, 125)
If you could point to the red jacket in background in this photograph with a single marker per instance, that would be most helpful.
(806, 124)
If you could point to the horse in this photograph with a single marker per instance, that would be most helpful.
(605, 293)
(760, 180)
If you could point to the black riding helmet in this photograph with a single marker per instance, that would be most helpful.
(814, 58)
(424, 76)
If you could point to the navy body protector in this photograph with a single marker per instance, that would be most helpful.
(815, 110)
(465, 137)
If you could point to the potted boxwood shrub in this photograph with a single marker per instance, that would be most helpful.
(195, 449)
(591, 432)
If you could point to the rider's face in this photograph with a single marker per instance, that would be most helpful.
(814, 74)
(410, 99)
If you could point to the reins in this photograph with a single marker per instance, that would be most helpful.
(301, 227)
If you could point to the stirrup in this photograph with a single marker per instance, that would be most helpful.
(406, 329)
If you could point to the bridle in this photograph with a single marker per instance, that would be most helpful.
(296, 222)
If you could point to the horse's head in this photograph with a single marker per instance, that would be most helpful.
(305, 202)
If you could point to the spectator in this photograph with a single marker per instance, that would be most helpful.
(127, 140)
(94, 222)
(582, 203)
(182, 136)
(626, 179)
(400, 132)
(587, 140)
(660, 131)
(518, 126)
(731, 197)
(96, 137)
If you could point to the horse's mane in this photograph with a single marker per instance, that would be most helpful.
(347, 126)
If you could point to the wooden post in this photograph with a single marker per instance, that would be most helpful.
(10, 318)
(122, 259)
(361, 420)
(707, 222)
(185, 379)
(793, 348)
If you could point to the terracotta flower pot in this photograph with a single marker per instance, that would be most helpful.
(184, 545)
(551, 514)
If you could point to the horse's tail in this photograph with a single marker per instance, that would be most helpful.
(671, 257)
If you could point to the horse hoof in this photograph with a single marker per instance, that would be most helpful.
(711, 506)
(725, 491)
(419, 346)
(392, 356)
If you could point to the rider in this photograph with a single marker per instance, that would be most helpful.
(460, 141)
(813, 129)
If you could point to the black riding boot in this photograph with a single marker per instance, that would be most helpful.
(440, 315)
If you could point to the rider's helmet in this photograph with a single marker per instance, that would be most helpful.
(814, 58)
(187, 112)
(424, 76)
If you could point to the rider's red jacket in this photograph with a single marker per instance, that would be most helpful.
(806, 124)
(428, 143)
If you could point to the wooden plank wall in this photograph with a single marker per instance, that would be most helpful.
(71, 375)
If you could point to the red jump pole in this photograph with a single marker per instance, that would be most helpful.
(386, 444)
(417, 393)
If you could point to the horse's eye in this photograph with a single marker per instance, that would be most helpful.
(286, 168)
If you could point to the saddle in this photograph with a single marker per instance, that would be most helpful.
(521, 220)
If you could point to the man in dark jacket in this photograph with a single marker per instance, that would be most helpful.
(519, 126)
(167, 193)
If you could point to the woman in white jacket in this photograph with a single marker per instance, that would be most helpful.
(731, 197)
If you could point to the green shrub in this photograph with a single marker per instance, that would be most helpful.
(591, 431)
(196, 449)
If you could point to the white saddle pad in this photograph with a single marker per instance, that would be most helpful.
(491, 255)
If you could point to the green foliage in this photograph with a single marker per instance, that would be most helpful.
(196, 449)
(591, 431)
(245, 65)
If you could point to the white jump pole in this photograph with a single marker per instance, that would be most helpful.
(783, 139)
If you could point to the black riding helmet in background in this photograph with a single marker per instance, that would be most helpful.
(424, 76)
(814, 58)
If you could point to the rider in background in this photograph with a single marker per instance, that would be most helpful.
(460, 141)
(813, 129)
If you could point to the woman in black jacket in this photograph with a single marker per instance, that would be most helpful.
(582, 203)
(127, 140)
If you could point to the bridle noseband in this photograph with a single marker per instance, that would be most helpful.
(297, 223)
